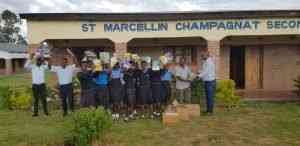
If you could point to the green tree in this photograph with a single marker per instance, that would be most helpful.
(10, 30)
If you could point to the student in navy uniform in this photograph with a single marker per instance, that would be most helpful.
(130, 89)
(144, 93)
(38, 83)
(166, 77)
(87, 84)
(102, 93)
(116, 90)
(155, 76)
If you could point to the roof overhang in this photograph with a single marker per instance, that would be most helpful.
(163, 16)
(7, 55)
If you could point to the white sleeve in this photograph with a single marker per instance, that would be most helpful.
(177, 72)
(75, 69)
(204, 70)
(190, 71)
(45, 66)
(54, 68)
(28, 64)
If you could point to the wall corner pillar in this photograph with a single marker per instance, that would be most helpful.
(8, 66)
(120, 48)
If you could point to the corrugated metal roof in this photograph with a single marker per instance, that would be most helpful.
(161, 16)
(13, 48)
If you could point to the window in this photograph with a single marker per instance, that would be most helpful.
(181, 52)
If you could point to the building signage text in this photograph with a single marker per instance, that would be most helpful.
(193, 26)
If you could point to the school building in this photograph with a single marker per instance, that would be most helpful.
(259, 50)
(12, 58)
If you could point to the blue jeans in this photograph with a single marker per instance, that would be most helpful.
(210, 88)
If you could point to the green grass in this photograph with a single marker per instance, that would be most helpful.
(267, 124)
(255, 123)
(21, 79)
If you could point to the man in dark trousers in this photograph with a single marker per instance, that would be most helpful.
(65, 73)
(38, 82)
(208, 75)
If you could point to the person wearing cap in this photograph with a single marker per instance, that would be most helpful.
(65, 73)
(38, 83)
(87, 84)
(101, 77)
(208, 75)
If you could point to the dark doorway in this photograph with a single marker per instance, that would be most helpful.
(237, 66)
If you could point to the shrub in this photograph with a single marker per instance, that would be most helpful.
(297, 85)
(90, 124)
(19, 98)
(197, 88)
(12, 97)
(225, 93)
(4, 97)
(76, 85)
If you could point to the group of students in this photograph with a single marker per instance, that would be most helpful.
(123, 90)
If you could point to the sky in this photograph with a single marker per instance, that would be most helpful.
(61, 6)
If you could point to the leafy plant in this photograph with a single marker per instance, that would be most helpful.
(225, 94)
(4, 97)
(19, 98)
(76, 85)
(297, 85)
(90, 124)
(197, 89)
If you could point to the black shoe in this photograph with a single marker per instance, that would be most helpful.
(35, 115)
(47, 114)
(209, 113)
(65, 114)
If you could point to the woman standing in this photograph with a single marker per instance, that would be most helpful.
(87, 84)
(166, 77)
(116, 89)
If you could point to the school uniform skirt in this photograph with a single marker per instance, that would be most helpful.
(87, 98)
(144, 94)
(166, 91)
(102, 96)
(156, 92)
(116, 91)
(131, 95)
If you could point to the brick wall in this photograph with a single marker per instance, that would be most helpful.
(120, 48)
(281, 66)
(224, 62)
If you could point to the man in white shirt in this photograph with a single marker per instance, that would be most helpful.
(208, 75)
(38, 83)
(183, 74)
(65, 73)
